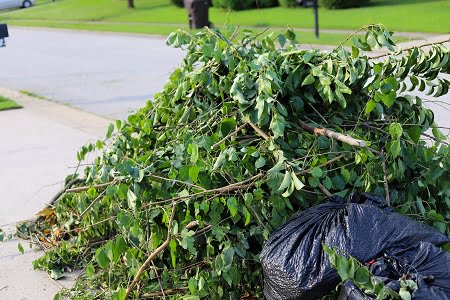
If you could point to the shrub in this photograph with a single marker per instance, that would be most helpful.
(179, 3)
(266, 3)
(338, 4)
(288, 3)
(243, 4)
(233, 4)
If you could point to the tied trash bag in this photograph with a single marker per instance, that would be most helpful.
(424, 263)
(293, 261)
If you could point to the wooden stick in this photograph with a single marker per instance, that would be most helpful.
(258, 130)
(325, 190)
(153, 254)
(332, 134)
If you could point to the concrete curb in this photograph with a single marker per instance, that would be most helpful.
(57, 112)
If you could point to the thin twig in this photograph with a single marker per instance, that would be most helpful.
(229, 135)
(235, 33)
(85, 188)
(409, 48)
(159, 280)
(324, 190)
(255, 37)
(435, 139)
(57, 283)
(332, 134)
(153, 254)
(167, 292)
(385, 180)
(203, 230)
(317, 112)
(321, 165)
(229, 188)
(92, 203)
(350, 36)
(258, 130)
(175, 180)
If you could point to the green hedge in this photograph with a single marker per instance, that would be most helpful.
(288, 3)
(179, 3)
(338, 4)
(244, 4)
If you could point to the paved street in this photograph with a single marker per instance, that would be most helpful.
(38, 147)
(103, 73)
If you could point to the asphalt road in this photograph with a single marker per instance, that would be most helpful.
(104, 73)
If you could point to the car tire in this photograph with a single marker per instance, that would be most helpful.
(26, 4)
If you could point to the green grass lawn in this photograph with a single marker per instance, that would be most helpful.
(161, 17)
(6, 103)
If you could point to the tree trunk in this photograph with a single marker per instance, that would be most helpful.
(130, 3)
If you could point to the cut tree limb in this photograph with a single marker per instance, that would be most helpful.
(258, 130)
(332, 134)
(325, 190)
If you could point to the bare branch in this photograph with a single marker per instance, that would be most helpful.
(332, 134)
(322, 165)
(324, 190)
(229, 135)
(85, 188)
(409, 48)
(258, 130)
(92, 203)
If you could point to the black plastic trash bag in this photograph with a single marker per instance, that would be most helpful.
(424, 263)
(349, 291)
(293, 261)
(429, 266)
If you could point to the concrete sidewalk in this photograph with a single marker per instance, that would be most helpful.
(39, 144)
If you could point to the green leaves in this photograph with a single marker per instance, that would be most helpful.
(395, 130)
(20, 247)
(193, 151)
(351, 269)
(232, 205)
(308, 80)
(109, 131)
(277, 125)
(316, 172)
(101, 258)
